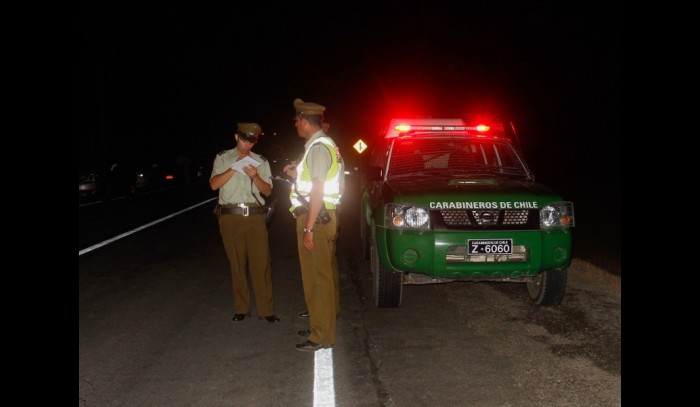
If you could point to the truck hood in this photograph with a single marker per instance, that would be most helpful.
(469, 193)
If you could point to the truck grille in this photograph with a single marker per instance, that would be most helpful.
(485, 219)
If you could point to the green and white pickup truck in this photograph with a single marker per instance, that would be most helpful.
(453, 200)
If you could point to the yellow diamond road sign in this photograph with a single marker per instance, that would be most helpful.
(360, 146)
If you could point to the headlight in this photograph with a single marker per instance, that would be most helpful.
(557, 215)
(407, 216)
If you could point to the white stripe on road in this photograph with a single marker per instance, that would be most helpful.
(125, 234)
(324, 389)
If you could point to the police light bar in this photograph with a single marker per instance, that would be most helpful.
(404, 128)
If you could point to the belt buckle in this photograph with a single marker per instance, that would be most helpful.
(246, 209)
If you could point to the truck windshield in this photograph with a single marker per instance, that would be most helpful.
(454, 156)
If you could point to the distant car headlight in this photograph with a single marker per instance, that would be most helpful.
(407, 216)
(557, 215)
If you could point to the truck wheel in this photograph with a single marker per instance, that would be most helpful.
(364, 235)
(548, 287)
(387, 285)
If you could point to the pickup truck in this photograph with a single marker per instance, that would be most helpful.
(453, 199)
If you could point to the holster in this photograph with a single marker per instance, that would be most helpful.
(323, 216)
(299, 210)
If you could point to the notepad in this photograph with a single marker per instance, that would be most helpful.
(244, 162)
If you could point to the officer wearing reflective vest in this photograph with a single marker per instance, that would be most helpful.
(334, 257)
(314, 198)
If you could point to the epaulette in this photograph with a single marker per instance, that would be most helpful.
(262, 158)
(221, 152)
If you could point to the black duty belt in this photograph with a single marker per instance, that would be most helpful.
(301, 210)
(242, 209)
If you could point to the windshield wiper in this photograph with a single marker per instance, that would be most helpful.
(432, 172)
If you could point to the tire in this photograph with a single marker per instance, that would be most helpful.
(548, 288)
(387, 284)
(364, 235)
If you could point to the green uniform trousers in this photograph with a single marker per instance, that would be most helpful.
(318, 280)
(248, 249)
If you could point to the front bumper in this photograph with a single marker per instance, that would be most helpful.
(443, 254)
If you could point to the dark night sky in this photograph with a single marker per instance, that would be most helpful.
(162, 79)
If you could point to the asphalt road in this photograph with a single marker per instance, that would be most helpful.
(155, 327)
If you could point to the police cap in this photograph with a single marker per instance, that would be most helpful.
(308, 108)
(249, 131)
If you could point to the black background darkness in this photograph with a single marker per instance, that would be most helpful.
(167, 79)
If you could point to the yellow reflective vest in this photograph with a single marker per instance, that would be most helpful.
(331, 186)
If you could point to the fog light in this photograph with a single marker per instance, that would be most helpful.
(410, 256)
(560, 254)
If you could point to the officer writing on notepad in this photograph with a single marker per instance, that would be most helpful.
(241, 216)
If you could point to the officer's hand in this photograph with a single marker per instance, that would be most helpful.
(309, 241)
(250, 171)
(291, 170)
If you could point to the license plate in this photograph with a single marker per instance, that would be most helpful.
(490, 246)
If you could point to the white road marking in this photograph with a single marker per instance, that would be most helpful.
(125, 234)
(324, 388)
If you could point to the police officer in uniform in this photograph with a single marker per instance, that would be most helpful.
(242, 222)
(334, 256)
(314, 198)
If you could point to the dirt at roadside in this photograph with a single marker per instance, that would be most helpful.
(594, 278)
(594, 301)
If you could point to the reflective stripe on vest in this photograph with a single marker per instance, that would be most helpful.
(331, 186)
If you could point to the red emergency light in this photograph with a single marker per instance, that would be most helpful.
(405, 128)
